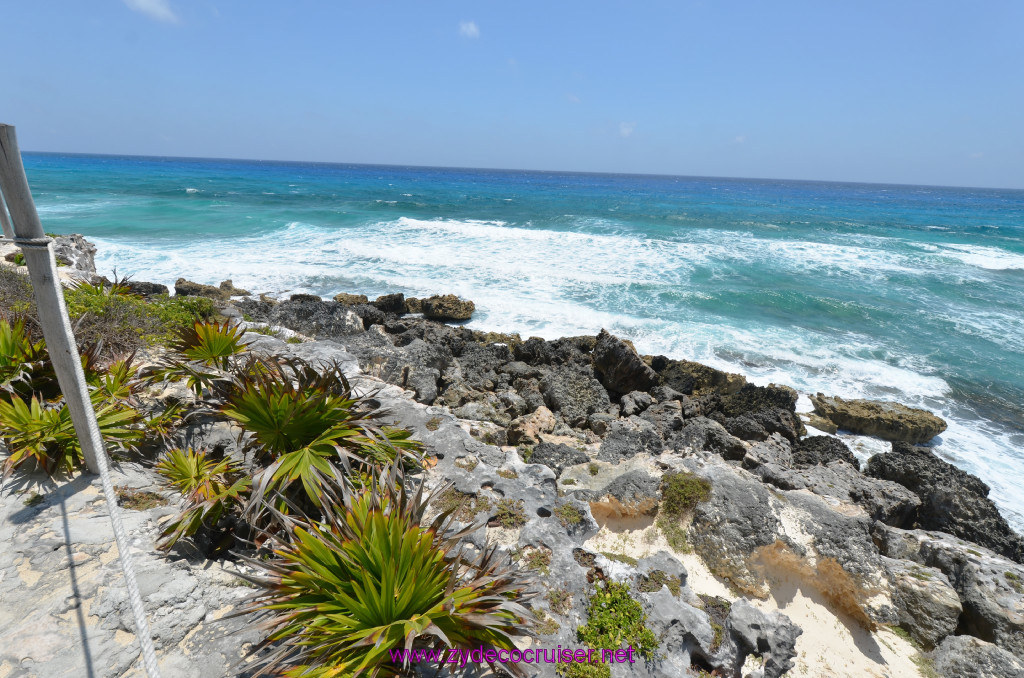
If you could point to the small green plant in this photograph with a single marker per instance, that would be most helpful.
(210, 344)
(61, 261)
(680, 494)
(569, 481)
(620, 558)
(463, 507)
(525, 452)
(34, 499)
(138, 500)
(718, 611)
(433, 423)
(293, 340)
(547, 626)
(538, 559)
(568, 515)
(1015, 582)
(559, 600)
(343, 592)
(594, 469)
(507, 473)
(510, 513)
(468, 463)
(19, 259)
(654, 581)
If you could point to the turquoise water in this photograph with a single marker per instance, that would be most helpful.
(897, 292)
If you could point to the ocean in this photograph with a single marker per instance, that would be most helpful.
(907, 293)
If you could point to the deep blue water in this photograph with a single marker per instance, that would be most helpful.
(910, 293)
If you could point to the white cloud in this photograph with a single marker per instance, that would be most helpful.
(154, 9)
(739, 140)
(469, 29)
(977, 156)
(572, 98)
(626, 129)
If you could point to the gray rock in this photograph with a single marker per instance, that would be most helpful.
(558, 456)
(967, 657)
(928, 607)
(991, 587)
(770, 636)
(618, 366)
(702, 433)
(666, 416)
(626, 438)
(78, 252)
(822, 450)
(635, 403)
(574, 393)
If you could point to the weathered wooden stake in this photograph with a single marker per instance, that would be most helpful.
(27, 232)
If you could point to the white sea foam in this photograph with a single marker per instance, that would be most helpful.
(191, 190)
(990, 258)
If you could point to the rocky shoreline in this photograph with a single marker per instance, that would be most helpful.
(754, 548)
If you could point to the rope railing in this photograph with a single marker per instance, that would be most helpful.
(21, 225)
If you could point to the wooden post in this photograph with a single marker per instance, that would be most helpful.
(28, 233)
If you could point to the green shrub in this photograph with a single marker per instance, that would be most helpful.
(568, 515)
(342, 592)
(614, 620)
(508, 473)
(538, 559)
(510, 513)
(681, 492)
(463, 507)
(649, 583)
(594, 469)
(620, 558)
(559, 600)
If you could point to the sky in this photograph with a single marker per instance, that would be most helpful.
(896, 92)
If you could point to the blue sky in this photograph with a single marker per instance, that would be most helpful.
(907, 92)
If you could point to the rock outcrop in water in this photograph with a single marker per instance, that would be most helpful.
(889, 421)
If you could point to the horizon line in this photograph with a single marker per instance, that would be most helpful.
(523, 170)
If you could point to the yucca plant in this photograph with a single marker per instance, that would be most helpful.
(307, 429)
(101, 288)
(340, 593)
(25, 368)
(38, 431)
(211, 489)
(209, 343)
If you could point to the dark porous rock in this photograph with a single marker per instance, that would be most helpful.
(990, 587)
(886, 420)
(600, 422)
(569, 350)
(666, 416)
(618, 366)
(967, 657)
(187, 288)
(370, 314)
(350, 299)
(702, 433)
(479, 364)
(928, 607)
(573, 392)
(625, 438)
(558, 456)
(391, 303)
(635, 403)
(772, 407)
(447, 307)
(484, 407)
(689, 377)
(320, 319)
(146, 289)
(304, 298)
(743, 427)
(822, 450)
(952, 500)
(529, 390)
(769, 636)
(413, 305)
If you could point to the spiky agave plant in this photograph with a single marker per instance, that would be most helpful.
(211, 489)
(307, 430)
(212, 344)
(340, 593)
(25, 368)
(43, 432)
